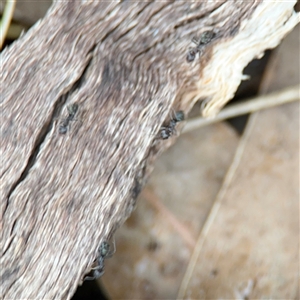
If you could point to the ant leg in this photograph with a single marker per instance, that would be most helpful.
(63, 127)
(195, 41)
(112, 252)
(98, 271)
(179, 116)
(96, 275)
(89, 278)
(192, 54)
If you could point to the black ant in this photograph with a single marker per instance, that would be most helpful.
(72, 110)
(169, 130)
(103, 253)
(205, 38)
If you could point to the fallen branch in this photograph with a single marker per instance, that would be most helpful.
(84, 94)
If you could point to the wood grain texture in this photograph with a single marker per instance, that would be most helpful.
(124, 65)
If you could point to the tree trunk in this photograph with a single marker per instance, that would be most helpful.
(84, 96)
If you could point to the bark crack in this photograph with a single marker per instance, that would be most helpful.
(46, 128)
(199, 16)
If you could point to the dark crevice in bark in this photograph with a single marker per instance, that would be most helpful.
(144, 51)
(159, 11)
(201, 16)
(155, 13)
(7, 274)
(110, 174)
(145, 25)
(3, 173)
(12, 228)
(44, 131)
(147, 4)
(8, 245)
(124, 34)
(110, 32)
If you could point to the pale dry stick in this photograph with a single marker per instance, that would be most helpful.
(214, 210)
(6, 18)
(180, 228)
(287, 95)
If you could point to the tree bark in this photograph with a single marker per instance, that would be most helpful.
(124, 66)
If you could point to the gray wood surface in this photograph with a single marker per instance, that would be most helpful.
(124, 65)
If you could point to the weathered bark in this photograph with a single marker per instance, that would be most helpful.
(125, 66)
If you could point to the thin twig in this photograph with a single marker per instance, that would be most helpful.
(254, 104)
(6, 19)
(170, 218)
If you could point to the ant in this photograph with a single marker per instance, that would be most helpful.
(103, 253)
(205, 38)
(72, 110)
(169, 130)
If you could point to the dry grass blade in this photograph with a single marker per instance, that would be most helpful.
(254, 104)
(6, 19)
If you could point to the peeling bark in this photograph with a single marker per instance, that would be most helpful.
(124, 65)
